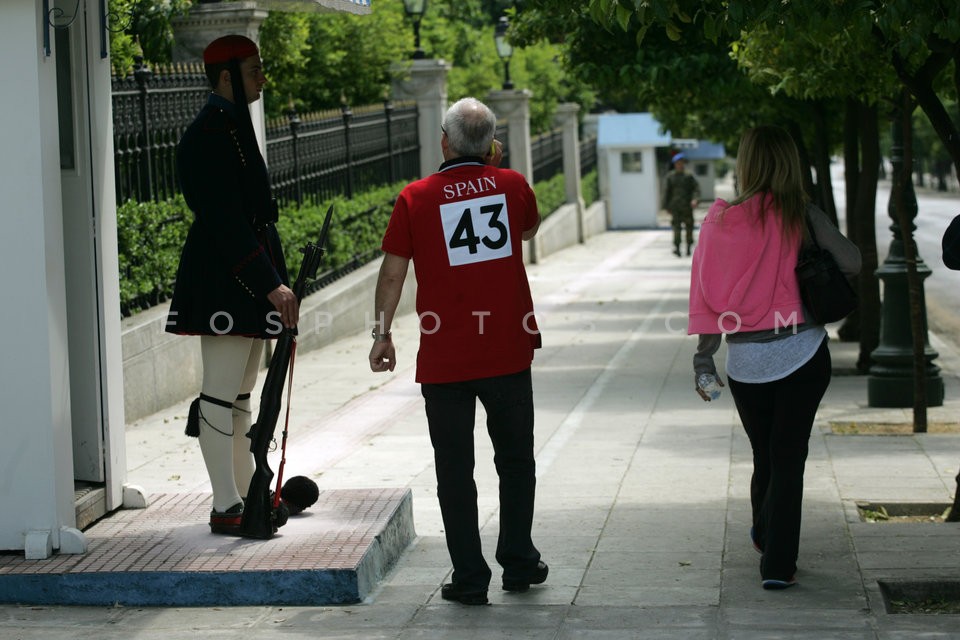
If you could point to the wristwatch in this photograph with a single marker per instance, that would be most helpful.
(380, 337)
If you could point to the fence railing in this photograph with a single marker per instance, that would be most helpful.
(309, 156)
(546, 151)
(588, 155)
(331, 153)
(150, 113)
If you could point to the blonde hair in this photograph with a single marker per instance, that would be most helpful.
(768, 164)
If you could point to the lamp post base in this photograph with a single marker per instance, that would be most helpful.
(897, 391)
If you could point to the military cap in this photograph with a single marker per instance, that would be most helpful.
(226, 48)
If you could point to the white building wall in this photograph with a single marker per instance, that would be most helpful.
(634, 196)
(36, 469)
(107, 261)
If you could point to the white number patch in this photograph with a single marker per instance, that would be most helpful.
(476, 230)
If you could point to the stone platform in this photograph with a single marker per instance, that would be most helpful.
(336, 552)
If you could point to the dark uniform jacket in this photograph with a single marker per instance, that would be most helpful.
(678, 190)
(232, 256)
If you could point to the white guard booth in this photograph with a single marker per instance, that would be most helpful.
(629, 176)
(701, 162)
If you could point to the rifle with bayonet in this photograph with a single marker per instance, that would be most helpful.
(263, 512)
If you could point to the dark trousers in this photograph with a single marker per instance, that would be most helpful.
(778, 417)
(682, 221)
(451, 410)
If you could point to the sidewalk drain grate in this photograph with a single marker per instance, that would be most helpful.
(934, 597)
(899, 512)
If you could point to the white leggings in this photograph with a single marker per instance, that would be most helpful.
(230, 367)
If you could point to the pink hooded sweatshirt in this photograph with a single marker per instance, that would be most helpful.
(743, 271)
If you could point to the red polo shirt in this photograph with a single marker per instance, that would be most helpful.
(462, 227)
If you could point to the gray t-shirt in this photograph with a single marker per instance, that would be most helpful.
(758, 362)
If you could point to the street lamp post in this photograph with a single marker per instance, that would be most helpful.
(415, 9)
(504, 49)
(890, 383)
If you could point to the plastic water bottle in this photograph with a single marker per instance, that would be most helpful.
(708, 384)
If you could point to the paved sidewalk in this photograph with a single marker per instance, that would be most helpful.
(642, 505)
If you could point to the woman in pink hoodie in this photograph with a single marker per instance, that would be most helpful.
(743, 286)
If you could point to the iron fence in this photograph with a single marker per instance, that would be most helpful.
(331, 153)
(546, 152)
(151, 110)
(588, 155)
(310, 156)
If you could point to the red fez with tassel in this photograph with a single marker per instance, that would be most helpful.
(229, 47)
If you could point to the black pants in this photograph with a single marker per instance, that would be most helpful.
(451, 409)
(682, 222)
(778, 417)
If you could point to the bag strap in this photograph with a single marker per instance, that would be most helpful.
(809, 222)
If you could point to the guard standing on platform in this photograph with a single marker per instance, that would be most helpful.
(232, 284)
(463, 227)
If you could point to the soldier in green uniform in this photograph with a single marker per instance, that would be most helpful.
(232, 284)
(680, 195)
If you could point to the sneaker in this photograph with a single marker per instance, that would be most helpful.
(776, 585)
(452, 591)
(227, 522)
(537, 576)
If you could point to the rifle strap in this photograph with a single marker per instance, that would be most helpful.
(286, 423)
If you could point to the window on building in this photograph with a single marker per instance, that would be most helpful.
(631, 162)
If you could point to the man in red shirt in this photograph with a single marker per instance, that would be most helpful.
(463, 227)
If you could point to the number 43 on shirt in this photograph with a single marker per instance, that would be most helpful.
(476, 230)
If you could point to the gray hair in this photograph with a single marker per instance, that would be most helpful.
(470, 126)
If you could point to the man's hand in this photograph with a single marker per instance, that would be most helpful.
(383, 356)
(495, 154)
(285, 301)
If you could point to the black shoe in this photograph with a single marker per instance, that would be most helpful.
(676, 251)
(689, 246)
(228, 521)
(778, 585)
(451, 591)
(537, 576)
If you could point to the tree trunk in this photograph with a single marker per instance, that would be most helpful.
(849, 331)
(821, 152)
(797, 134)
(917, 326)
(920, 84)
(954, 515)
(866, 239)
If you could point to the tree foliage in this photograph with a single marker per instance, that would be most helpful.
(321, 61)
(141, 28)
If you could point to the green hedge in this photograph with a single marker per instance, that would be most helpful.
(151, 235)
(355, 231)
(551, 194)
(590, 188)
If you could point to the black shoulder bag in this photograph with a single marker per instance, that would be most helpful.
(826, 292)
